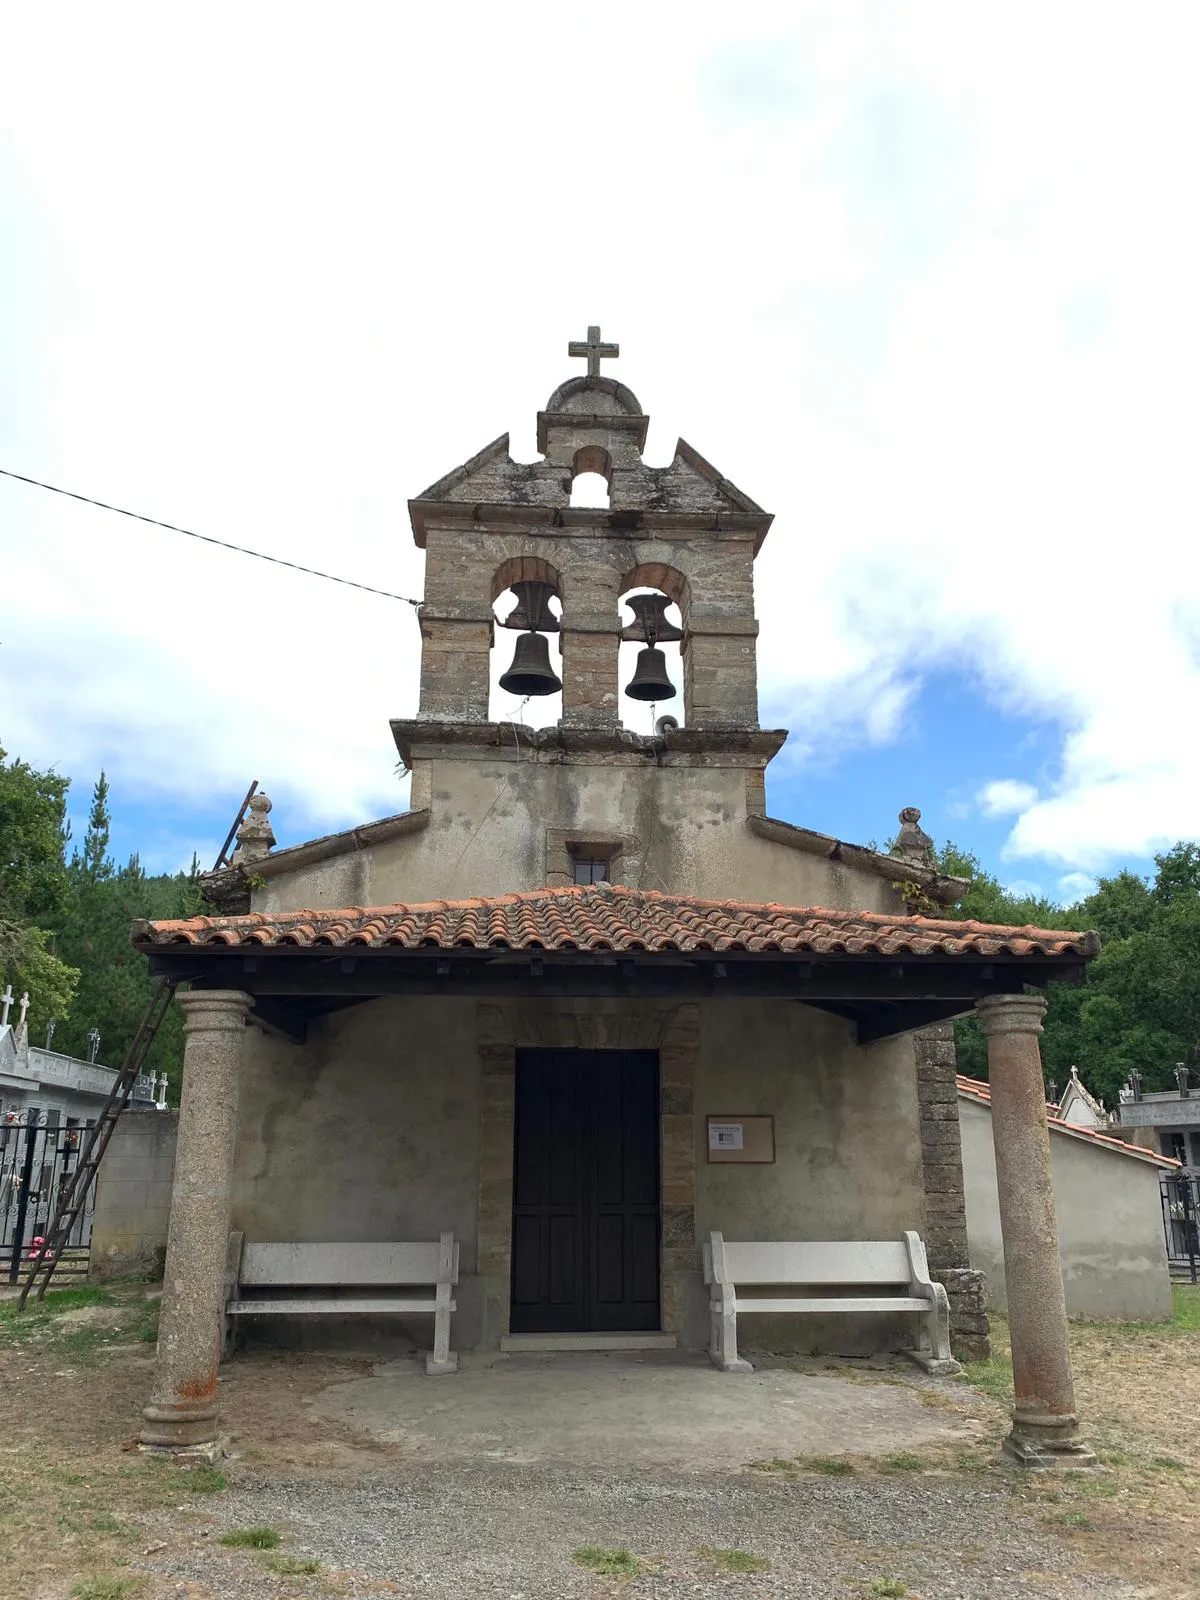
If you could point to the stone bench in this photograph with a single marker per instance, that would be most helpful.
(345, 1280)
(819, 1278)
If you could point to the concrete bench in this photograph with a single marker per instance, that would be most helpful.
(345, 1280)
(874, 1275)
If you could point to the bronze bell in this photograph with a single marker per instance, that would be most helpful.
(532, 611)
(650, 619)
(531, 672)
(650, 681)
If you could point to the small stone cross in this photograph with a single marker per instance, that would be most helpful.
(594, 352)
(24, 1011)
(7, 998)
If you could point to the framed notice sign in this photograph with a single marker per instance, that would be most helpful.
(737, 1138)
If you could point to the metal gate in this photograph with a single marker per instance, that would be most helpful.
(36, 1162)
(1181, 1222)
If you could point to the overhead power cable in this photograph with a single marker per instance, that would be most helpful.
(207, 538)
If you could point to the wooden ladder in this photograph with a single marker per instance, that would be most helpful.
(71, 1199)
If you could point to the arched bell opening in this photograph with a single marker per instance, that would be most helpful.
(591, 478)
(649, 663)
(526, 660)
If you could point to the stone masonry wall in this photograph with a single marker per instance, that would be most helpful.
(945, 1205)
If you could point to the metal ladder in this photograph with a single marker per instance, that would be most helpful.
(71, 1200)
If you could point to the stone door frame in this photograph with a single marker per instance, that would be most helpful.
(672, 1030)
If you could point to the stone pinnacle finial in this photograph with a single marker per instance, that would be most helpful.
(593, 350)
(913, 844)
(255, 838)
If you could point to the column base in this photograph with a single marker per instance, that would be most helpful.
(205, 1455)
(1047, 1450)
(167, 1428)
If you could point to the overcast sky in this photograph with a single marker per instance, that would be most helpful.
(922, 280)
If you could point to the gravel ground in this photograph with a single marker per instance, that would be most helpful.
(499, 1531)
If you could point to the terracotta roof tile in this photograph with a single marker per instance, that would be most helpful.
(612, 917)
(975, 1089)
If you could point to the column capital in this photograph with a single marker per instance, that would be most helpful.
(1011, 1013)
(214, 1010)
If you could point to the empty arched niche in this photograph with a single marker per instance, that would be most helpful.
(663, 621)
(591, 478)
(527, 642)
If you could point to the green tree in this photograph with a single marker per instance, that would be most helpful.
(987, 900)
(94, 864)
(115, 985)
(1139, 1003)
(33, 886)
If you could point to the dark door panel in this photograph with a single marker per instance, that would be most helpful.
(585, 1192)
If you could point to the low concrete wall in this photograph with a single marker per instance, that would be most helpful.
(133, 1195)
(1109, 1224)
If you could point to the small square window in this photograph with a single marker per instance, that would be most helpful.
(588, 869)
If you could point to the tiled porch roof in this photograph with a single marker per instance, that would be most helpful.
(609, 917)
(975, 1089)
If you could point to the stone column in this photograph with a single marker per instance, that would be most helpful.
(182, 1413)
(1045, 1428)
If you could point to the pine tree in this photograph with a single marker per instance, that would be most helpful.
(94, 864)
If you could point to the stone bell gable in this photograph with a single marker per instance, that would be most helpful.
(499, 806)
(589, 425)
(682, 529)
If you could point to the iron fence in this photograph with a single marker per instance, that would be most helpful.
(1181, 1222)
(37, 1159)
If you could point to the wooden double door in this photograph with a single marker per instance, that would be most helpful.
(585, 1240)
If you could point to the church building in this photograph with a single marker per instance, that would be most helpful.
(586, 1002)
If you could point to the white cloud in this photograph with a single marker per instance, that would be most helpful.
(1005, 796)
(1024, 888)
(1073, 886)
(915, 287)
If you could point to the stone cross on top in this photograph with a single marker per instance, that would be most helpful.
(593, 350)
(6, 1001)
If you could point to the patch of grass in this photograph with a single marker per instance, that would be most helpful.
(968, 1462)
(1165, 1464)
(903, 1461)
(292, 1566)
(57, 1300)
(1075, 1519)
(777, 1465)
(734, 1560)
(994, 1377)
(1186, 1298)
(257, 1538)
(41, 1322)
(831, 1466)
(1095, 1488)
(888, 1588)
(1114, 1458)
(608, 1563)
(105, 1522)
(203, 1480)
(105, 1587)
(145, 1327)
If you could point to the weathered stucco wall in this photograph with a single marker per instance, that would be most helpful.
(683, 829)
(372, 1131)
(1109, 1224)
(133, 1195)
(847, 1143)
